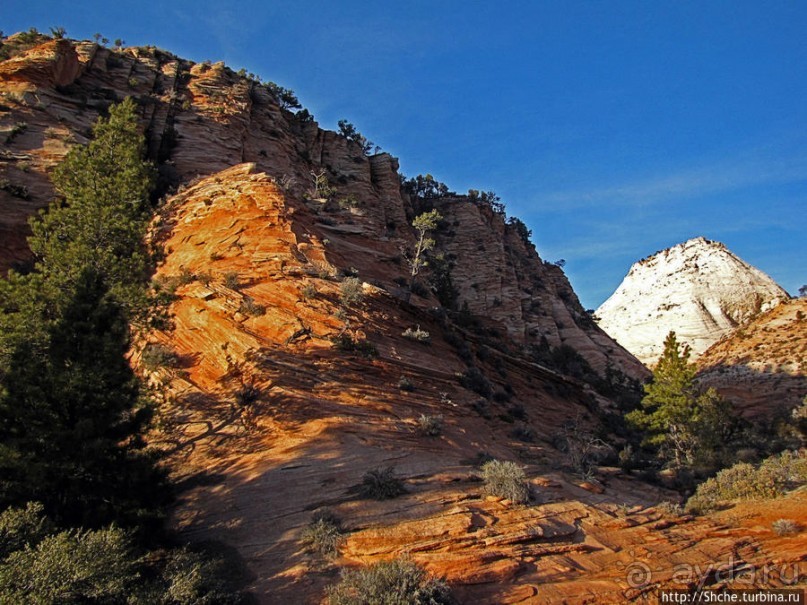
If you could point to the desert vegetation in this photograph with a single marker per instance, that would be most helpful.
(323, 535)
(382, 484)
(424, 224)
(348, 130)
(687, 426)
(506, 479)
(430, 425)
(744, 481)
(397, 581)
(83, 498)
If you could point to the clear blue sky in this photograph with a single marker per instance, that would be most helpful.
(613, 129)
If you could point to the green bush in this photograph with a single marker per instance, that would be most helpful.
(424, 187)
(670, 509)
(71, 567)
(232, 280)
(382, 484)
(191, 578)
(157, 355)
(16, 130)
(475, 380)
(348, 130)
(405, 384)
(363, 347)
(788, 469)
(250, 307)
(351, 291)
(417, 334)
(350, 201)
(506, 480)
(430, 426)
(20, 191)
(742, 481)
(21, 527)
(397, 582)
(524, 432)
(323, 535)
(75, 566)
(786, 527)
(745, 481)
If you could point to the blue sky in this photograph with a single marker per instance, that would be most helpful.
(613, 129)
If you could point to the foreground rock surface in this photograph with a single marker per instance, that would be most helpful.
(257, 469)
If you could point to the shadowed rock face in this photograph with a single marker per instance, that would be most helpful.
(762, 366)
(698, 289)
(279, 397)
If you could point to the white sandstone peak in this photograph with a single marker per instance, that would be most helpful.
(699, 289)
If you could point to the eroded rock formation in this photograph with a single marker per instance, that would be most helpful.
(762, 366)
(281, 392)
(698, 289)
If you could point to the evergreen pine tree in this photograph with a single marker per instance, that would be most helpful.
(101, 221)
(71, 418)
(71, 413)
(686, 424)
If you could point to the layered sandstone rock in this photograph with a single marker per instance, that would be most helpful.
(762, 366)
(279, 396)
(202, 118)
(698, 289)
(256, 469)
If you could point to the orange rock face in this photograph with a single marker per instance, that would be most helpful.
(762, 367)
(52, 64)
(200, 119)
(284, 383)
(323, 417)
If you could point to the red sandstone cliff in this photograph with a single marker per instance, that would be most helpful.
(266, 419)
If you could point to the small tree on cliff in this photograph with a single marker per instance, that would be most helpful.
(101, 222)
(348, 130)
(686, 424)
(424, 224)
(71, 412)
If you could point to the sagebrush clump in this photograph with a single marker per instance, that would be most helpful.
(746, 481)
(250, 307)
(157, 355)
(506, 480)
(416, 334)
(397, 582)
(382, 484)
(405, 384)
(232, 280)
(323, 535)
(786, 527)
(362, 346)
(351, 291)
(430, 426)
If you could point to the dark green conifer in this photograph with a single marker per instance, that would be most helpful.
(686, 423)
(71, 412)
(71, 418)
(101, 221)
